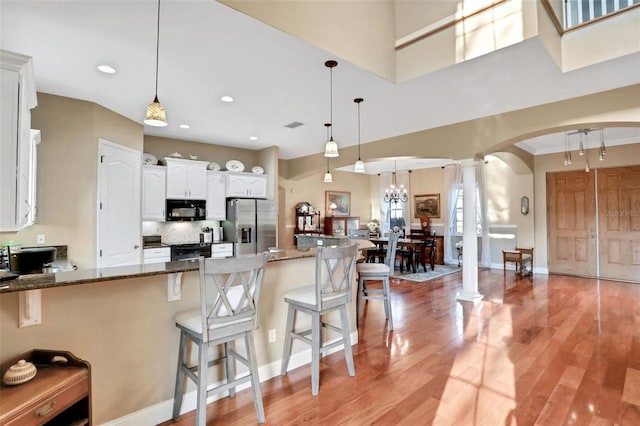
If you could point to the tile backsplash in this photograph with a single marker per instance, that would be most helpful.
(178, 232)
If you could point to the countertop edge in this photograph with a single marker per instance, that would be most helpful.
(88, 276)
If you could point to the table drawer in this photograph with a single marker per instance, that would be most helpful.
(41, 411)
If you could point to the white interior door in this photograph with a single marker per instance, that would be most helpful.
(118, 238)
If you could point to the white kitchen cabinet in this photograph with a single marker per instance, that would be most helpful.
(216, 196)
(246, 185)
(186, 179)
(17, 142)
(221, 250)
(156, 255)
(153, 193)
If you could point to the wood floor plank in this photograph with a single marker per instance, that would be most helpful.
(551, 350)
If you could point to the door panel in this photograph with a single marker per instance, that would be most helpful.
(571, 223)
(619, 222)
(119, 206)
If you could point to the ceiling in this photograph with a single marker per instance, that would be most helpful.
(208, 50)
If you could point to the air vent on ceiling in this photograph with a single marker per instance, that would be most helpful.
(294, 124)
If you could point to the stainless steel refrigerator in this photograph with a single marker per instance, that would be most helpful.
(250, 225)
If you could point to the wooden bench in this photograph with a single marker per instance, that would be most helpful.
(520, 256)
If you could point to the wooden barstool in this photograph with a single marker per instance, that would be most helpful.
(229, 296)
(331, 292)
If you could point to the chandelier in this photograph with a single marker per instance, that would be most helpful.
(395, 193)
(583, 146)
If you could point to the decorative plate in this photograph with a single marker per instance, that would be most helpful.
(257, 170)
(176, 155)
(213, 166)
(234, 166)
(149, 159)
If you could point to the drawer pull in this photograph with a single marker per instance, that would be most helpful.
(45, 409)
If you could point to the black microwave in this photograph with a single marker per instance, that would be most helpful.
(186, 210)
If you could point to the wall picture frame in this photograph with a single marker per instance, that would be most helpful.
(341, 199)
(426, 205)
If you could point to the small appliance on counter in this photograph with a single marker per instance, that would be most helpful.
(31, 260)
(152, 241)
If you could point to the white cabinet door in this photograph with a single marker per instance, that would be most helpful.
(186, 179)
(246, 185)
(197, 182)
(17, 149)
(153, 193)
(216, 196)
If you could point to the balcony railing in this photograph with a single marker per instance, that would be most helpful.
(579, 11)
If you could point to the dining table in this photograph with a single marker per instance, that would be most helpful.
(412, 245)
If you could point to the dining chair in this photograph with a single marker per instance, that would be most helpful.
(331, 292)
(229, 301)
(378, 271)
(427, 251)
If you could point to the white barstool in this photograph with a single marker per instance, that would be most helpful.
(332, 292)
(229, 295)
(381, 272)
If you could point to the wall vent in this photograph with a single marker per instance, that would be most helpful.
(294, 124)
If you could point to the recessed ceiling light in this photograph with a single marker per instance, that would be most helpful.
(107, 69)
(253, 138)
(184, 126)
(226, 99)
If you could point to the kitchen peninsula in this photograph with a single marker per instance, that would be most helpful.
(120, 321)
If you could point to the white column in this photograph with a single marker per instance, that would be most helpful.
(469, 291)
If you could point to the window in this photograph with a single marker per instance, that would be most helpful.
(459, 221)
(396, 215)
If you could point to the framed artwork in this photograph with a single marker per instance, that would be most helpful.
(337, 203)
(426, 205)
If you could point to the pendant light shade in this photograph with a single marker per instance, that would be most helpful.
(358, 167)
(327, 176)
(331, 148)
(156, 115)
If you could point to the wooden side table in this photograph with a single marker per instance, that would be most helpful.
(60, 392)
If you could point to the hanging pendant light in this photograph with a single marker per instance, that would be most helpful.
(331, 148)
(358, 167)
(586, 151)
(603, 151)
(156, 115)
(581, 147)
(327, 176)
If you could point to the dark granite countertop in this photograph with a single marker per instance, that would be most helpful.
(86, 276)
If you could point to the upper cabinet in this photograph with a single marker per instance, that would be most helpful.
(246, 185)
(153, 193)
(17, 142)
(216, 196)
(186, 179)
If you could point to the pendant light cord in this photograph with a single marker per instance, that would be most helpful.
(157, 47)
(331, 102)
(359, 130)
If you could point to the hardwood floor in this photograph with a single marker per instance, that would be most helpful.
(552, 350)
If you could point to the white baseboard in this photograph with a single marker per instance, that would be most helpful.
(161, 412)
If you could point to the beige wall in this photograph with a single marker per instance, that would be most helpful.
(622, 155)
(476, 138)
(312, 189)
(125, 329)
(67, 172)
(360, 31)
